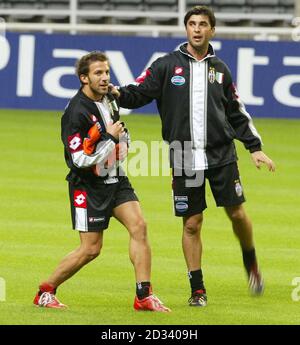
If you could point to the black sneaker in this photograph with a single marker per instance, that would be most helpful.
(255, 281)
(198, 299)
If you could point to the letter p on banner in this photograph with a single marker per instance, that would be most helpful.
(2, 289)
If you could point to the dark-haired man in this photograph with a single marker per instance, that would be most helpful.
(201, 110)
(95, 141)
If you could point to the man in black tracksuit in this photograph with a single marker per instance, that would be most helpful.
(201, 115)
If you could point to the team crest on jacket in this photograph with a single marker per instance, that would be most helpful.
(212, 75)
(215, 76)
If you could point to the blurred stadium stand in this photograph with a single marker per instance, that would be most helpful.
(235, 18)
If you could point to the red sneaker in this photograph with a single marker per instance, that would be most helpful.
(150, 303)
(198, 299)
(46, 298)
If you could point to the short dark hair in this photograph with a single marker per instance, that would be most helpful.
(83, 64)
(204, 10)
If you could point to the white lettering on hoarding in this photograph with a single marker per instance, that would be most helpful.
(122, 70)
(283, 85)
(4, 52)
(120, 67)
(25, 66)
(52, 85)
(245, 74)
(69, 53)
(51, 79)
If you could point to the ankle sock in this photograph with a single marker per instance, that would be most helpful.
(196, 280)
(143, 289)
(249, 259)
(45, 287)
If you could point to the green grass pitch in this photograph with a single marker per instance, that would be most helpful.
(35, 233)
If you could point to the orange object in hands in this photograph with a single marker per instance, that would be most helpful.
(89, 143)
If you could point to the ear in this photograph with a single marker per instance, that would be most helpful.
(213, 32)
(83, 79)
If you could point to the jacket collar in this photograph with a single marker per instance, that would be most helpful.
(85, 97)
(109, 99)
(210, 52)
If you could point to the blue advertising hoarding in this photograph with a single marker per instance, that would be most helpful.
(37, 70)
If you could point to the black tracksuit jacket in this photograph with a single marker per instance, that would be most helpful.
(199, 108)
(80, 115)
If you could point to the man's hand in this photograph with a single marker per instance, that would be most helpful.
(115, 129)
(113, 90)
(260, 158)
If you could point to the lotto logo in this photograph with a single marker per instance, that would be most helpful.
(80, 199)
(178, 70)
(74, 142)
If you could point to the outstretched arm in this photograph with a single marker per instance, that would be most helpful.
(147, 87)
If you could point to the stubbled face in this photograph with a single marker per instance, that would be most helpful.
(199, 32)
(97, 81)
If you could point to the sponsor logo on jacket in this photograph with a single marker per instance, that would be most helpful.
(177, 80)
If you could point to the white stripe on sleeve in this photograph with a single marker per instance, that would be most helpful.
(103, 150)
